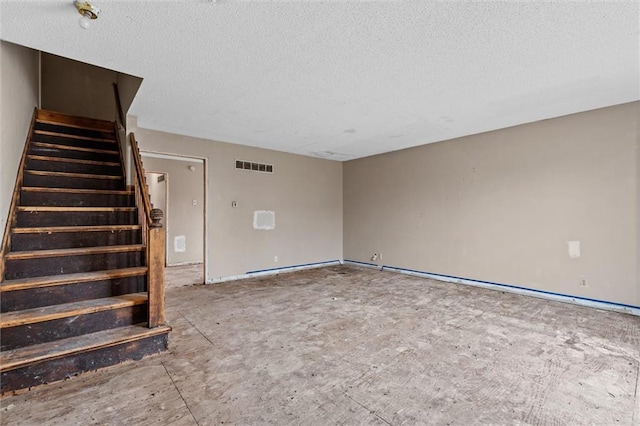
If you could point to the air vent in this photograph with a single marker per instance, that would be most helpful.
(254, 167)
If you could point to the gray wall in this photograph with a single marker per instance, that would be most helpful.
(183, 218)
(502, 206)
(305, 193)
(18, 96)
(77, 88)
(128, 86)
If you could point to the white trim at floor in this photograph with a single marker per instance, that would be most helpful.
(576, 300)
(274, 271)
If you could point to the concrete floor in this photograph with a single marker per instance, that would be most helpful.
(349, 346)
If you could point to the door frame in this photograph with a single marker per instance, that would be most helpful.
(205, 218)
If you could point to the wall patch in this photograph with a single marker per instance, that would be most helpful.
(264, 219)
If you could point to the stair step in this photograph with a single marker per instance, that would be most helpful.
(72, 165)
(54, 117)
(29, 293)
(66, 130)
(37, 263)
(73, 160)
(17, 358)
(68, 136)
(89, 228)
(49, 362)
(77, 190)
(73, 141)
(71, 180)
(42, 209)
(30, 216)
(51, 150)
(37, 254)
(55, 322)
(61, 237)
(75, 197)
(54, 312)
(73, 148)
(56, 280)
(71, 175)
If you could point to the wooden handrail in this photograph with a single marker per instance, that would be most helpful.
(138, 172)
(153, 239)
(11, 213)
(150, 219)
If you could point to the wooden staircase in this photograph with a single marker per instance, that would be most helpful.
(81, 287)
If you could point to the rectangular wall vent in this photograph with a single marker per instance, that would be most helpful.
(254, 167)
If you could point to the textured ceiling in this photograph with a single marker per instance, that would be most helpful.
(348, 79)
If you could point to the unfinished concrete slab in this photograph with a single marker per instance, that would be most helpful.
(345, 345)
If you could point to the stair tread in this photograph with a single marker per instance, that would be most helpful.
(21, 357)
(53, 280)
(71, 175)
(73, 148)
(79, 190)
(73, 251)
(80, 228)
(70, 136)
(62, 119)
(74, 209)
(72, 160)
(64, 310)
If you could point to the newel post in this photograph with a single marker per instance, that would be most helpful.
(155, 256)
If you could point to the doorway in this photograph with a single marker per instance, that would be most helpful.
(177, 186)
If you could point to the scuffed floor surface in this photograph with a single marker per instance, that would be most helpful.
(179, 276)
(350, 346)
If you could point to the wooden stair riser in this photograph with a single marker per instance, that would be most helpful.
(75, 218)
(38, 267)
(55, 240)
(67, 130)
(71, 182)
(55, 369)
(17, 300)
(30, 198)
(74, 141)
(52, 330)
(73, 167)
(109, 156)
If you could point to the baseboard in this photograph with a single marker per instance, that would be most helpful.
(273, 271)
(558, 297)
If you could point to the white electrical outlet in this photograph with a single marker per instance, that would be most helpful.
(583, 282)
(275, 259)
